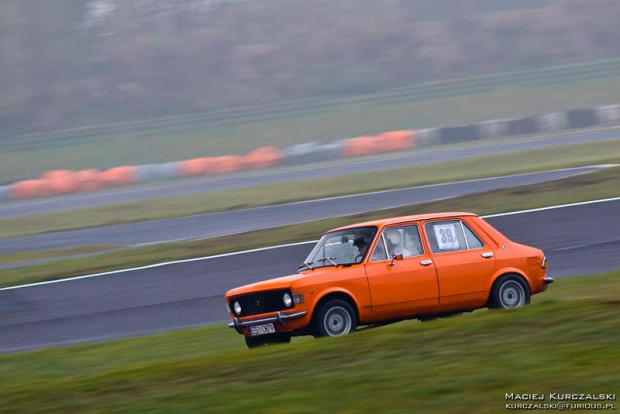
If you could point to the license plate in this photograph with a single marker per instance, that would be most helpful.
(264, 329)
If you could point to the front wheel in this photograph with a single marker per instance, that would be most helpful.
(335, 318)
(509, 292)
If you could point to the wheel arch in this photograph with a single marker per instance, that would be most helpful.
(336, 294)
(508, 272)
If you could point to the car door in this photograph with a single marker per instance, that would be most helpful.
(401, 287)
(463, 261)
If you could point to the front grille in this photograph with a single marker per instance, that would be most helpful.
(261, 302)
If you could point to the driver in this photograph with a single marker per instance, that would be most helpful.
(361, 245)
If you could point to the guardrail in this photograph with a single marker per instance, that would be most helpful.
(236, 116)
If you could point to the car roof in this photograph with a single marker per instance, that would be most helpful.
(404, 219)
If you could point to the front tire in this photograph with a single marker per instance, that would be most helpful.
(335, 318)
(509, 292)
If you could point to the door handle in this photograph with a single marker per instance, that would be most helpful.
(426, 262)
(487, 255)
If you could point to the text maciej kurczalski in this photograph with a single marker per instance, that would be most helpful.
(556, 396)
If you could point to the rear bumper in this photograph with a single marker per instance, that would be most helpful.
(547, 281)
(279, 317)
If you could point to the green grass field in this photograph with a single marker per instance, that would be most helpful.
(456, 170)
(46, 254)
(566, 341)
(348, 119)
(598, 185)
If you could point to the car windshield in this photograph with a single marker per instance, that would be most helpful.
(343, 247)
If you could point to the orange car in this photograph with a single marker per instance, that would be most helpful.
(422, 266)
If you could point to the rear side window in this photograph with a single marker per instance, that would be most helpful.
(473, 242)
(451, 236)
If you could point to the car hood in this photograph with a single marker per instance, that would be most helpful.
(282, 282)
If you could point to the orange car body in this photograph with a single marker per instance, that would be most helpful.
(443, 276)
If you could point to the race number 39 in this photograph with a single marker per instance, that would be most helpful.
(446, 236)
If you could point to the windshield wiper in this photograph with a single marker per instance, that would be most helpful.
(304, 264)
(330, 259)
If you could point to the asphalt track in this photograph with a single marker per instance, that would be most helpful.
(260, 218)
(310, 171)
(578, 239)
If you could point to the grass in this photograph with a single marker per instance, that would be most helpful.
(344, 121)
(46, 254)
(601, 184)
(468, 168)
(566, 341)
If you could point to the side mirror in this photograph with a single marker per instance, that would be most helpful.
(398, 256)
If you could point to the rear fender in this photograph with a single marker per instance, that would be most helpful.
(508, 270)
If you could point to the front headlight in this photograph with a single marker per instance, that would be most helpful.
(237, 307)
(287, 299)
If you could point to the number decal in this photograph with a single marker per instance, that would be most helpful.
(446, 236)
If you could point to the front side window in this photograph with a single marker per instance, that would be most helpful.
(403, 240)
(343, 247)
(450, 236)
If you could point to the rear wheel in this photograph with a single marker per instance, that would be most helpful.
(267, 340)
(334, 318)
(509, 292)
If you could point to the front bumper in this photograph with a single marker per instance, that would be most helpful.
(279, 317)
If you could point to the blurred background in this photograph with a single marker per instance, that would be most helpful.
(489, 106)
(100, 83)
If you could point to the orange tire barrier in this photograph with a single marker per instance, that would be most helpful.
(359, 146)
(399, 140)
(195, 166)
(118, 176)
(381, 144)
(88, 180)
(212, 165)
(226, 163)
(65, 181)
(38, 187)
(263, 158)
(61, 181)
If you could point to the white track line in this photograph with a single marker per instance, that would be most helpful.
(533, 210)
(474, 180)
(196, 259)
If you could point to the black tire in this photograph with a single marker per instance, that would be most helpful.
(509, 291)
(267, 340)
(335, 317)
